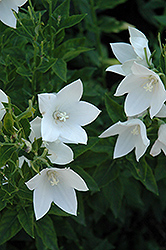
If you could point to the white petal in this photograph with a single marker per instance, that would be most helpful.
(115, 129)
(162, 112)
(6, 14)
(126, 85)
(137, 101)
(139, 42)
(83, 113)
(42, 199)
(123, 51)
(140, 147)
(36, 180)
(158, 99)
(116, 69)
(22, 159)
(47, 103)
(124, 144)
(35, 129)
(65, 198)
(72, 179)
(20, 2)
(69, 94)
(162, 133)
(3, 98)
(73, 133)
(156, 148)
(60, 153)
(140, 70)
(49, 128)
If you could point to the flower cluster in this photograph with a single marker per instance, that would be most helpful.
(145, 94)
(63, 115)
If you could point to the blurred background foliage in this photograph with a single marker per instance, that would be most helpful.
(55, 43)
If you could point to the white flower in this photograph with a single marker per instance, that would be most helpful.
(132, 134)
(22, 159)
(59, 153)
(162, 112)
(127, 54)
(58, 186)
(3, 98)
(145, 90)
(64, 114)
(160, 143)
(6, 13)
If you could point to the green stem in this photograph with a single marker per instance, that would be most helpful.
(97, 32)
(50, 25)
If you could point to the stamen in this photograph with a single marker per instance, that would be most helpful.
(52, 177)
(135, 131)
(149, 85)
(60, 116)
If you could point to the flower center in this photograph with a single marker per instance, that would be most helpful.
(60, 116)
(135, 131)
(148, 86)
(52, 177)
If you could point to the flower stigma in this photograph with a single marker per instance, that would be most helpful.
(149, 85)
(60, 116)
(135, 131)
(52, 177)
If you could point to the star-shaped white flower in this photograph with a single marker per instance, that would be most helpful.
(132, 134)
(3, 98)
(58, 186)
(59, 153)
(145, 90)
(64, 114)
(160, 143)
(128, 53)
(6, 13)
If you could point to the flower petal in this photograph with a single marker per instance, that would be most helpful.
(35, 129)
(69, 94)
(116, 69)
(115, 129)
(123, 51)
(47, 103)
(49, 129)
(83, 113)
(60, 153)
(6, 14)
(156, 148)
(162, 112)
(72, 179)
(65, 198)
(125, 143)
(42, 199)
(3, 98)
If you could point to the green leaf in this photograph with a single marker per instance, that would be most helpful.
(9, 225)
(161, 19)
(107, 4)
(47, 64)
(60, 69)
(70, 49)
(88, 179)
(26, 219)
(24, 71)
(114, 194)
(46, 231)
(111, 25)
(80, 149)
(71, 21)
(142, 171)
(62, 10)
(6, 153)
(9, 123)
(115, 110)
(106, 173)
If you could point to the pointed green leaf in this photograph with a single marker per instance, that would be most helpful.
(26, 219)
(87, 178)
(115, 110)
(9, 123)
(114, 194)
(9, 225)
(46, 231)
(60, 69)
(6, 153)
(46, 65)
(71, 21)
